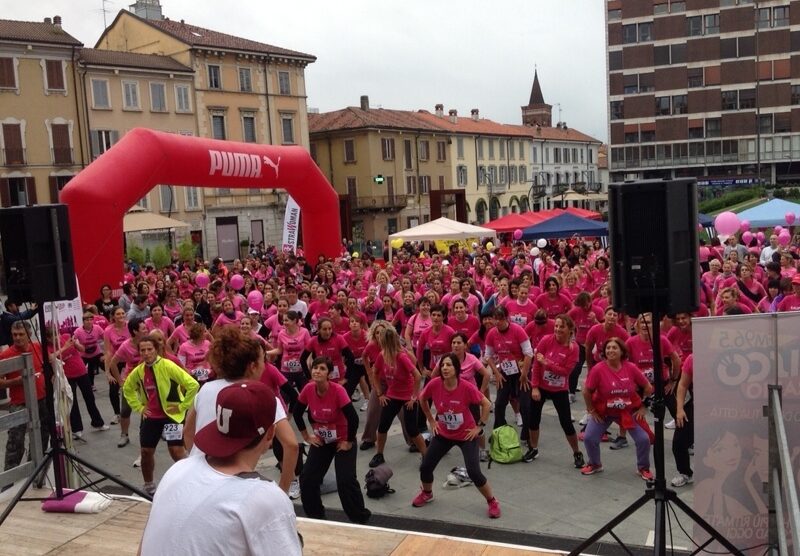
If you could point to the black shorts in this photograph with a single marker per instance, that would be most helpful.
(151, 431)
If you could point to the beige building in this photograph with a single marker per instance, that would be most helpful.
(243, 91)
(41, 136)
(123, 90)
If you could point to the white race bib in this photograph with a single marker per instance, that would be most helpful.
(553, 380)
(452, 421)
(359, 361)
(293, 366)
(335, 373)
(325, 434)
(649, 375)
(521, 320)
(201, 374)
(509, 367)
(618, 403)
(172, 431)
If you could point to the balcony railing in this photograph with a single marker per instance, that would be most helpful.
(386, 203)
(13, 157)
(62, 155)
(703, 160)
(538, 191)
(497, 188)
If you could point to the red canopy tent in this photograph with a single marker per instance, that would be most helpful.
(583, 213)
(514, 221)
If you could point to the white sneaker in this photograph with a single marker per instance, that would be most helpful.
(681, 480)
(364, 406)
(670, 424)
(356, 395)
(519, 419)
(137, 462)
(101, 428)
(572, 398)
(584, 420)
(115, 420)
(294, 490)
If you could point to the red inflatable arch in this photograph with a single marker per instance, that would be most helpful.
(101, 194)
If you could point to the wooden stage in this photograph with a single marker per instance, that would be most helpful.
(117, 531)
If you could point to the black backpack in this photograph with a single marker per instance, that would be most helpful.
(377, 481)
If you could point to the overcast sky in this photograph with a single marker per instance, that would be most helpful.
(406, 55)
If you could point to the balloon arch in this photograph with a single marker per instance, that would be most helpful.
(101, 194)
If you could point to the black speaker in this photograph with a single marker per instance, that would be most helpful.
(37, 253)
(653, 237)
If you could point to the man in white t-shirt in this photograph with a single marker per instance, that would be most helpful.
(296, 304)
(217, 504)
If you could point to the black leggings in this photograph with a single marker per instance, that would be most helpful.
(439, 446)
(682, 439)
(390, 411)
(353, 376)
(575, 375)
(298, 380)
(561, 403)
(277, 449)
(317, 464)
(510, 390)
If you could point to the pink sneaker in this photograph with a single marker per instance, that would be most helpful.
(422, 498)
(645, 474)
(591, 469)
(494, 508)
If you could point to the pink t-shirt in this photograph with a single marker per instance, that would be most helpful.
(640, 353)
(371, 352)
(165, 325)
(226, 320)
(681, 341)
(520, 313)
(437, 342)
(790, 303)
(468, 326)
(357, 344)
(274, 326)
(469, 366)
(473, 303)
(180, 334)
(508, 347)
(74, 366)
(90, 340)
(615, 389)
(194, 358)
(129, 354)
(554, 306)
(327, 418)
(598, 335)
(453, 416)
(332, 348)
(293, 347)
(584, 320)
(536, 332)
(399, 377)
(114, 337)
(553, 375)
(418, 325)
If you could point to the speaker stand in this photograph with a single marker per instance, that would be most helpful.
(657, 490)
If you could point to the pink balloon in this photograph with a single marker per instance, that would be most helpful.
(777, 230)
(760, 237)
(517, 234)
(747, 237)
(237, 282)
(255, 300)
(700, 227)
(745, 225)
(727, 223)
(201, 280)
(784, 238)
(789, 218)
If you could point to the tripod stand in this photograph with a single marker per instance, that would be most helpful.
(58, 454)
(657, 489)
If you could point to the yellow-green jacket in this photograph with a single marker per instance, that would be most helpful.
(174, 385)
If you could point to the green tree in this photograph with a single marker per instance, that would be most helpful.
(161, 256)
(136, 254)
(187, 251)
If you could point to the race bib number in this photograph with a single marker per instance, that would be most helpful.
(509, 367)
(335, 373)
(452, 421)
(649, 375)
(201, 374)
(172, 431)
(359, 361)
(553, 380)
(521, 320)
(293, 366)
(325, 434)
(618, 403)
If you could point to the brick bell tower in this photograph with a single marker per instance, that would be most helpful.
(538, 112)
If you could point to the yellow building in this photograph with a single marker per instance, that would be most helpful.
(243, 91)
(41, 136)
(124, 90)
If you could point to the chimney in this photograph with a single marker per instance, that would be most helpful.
(476, 114)
(364, 102)
(453, 116)
(440, 110)
(538, 130)
(48, 20)
(57, 21)
(564, 125)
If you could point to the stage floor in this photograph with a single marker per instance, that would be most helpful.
(117, 530)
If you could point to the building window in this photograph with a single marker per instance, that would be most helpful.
(647, 136)
(763, 18)
(245, 80)
(55, 75)
(13, 152)
(521, 149)
(661, 55)
(556, 156)
(783, 124)
(214, 77)
(460, 148)
(632, 137)
(411, 185)
(647, 82)
(661, 9)
(491, 148)
(249, 127)
(502, 174)
(662, 106)
(629, 33)
(747, 99)
(614, 15)
(523, 174)
(765, 123)
(441, 151)
(192, 198)
(713, 127)
(130, 95)
(695, 132)
(479, 147)
(349, 150)
(166, 198)
(287, 128)
(780, 16)
(62, 148)
(645, 32)
(500, 150)
(441, 182)
(694, 77)
(18, 192)
(218, 126)
(711, 24)
(100, 97)
(697, 149)
(183, 102)
(511, 150)
(616, 110)
(615, 60)
(461, 175)
(512, 174)
(679, 104)
(8, 77)
(492, 174)
(158, 97)
(102, 140)
(677, 7)
(424, 150)
(424, 184)
(284, 86)
(795, 94)
(407, 160)
(677, 54)
(482, 176)
(730, 100)
(352, 189)
(694, 26)
(630, 84)
(387, 148)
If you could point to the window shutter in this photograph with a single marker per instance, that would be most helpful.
(94, 138)
(53, 189)
(30, 187)
(7, 78)
(55, 74)
(5, 195)
(114, 137)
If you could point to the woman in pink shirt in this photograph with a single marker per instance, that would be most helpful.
(88, 340)
(599, 333)
(327, 343)
(556, 356)
(229, 316)
(193, 354)
(539, 327)
(156, 320)
(247, 326)
(521, 310)
(113, 337)
(172, 307)
(461, 321)
(275, 323)
(418, 323)
(289, 345)
(454, 425)
(397, 369)
(584, 315)
(552, 300)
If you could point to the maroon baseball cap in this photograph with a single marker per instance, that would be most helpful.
(245, 411)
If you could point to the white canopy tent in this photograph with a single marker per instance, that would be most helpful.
(441, 229)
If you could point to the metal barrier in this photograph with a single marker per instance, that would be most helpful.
(29, 416)
(782, 487)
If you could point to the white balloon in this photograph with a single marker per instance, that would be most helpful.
(474, 245)
(445, 262)
(542, 243)
(535, 252)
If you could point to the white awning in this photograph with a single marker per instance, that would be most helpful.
(142, 220)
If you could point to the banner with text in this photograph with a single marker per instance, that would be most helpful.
(736, 358)
(291, 226)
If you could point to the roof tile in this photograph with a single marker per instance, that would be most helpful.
(35, 31)
(97, 57)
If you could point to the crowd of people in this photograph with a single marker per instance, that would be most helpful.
(428, 338)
